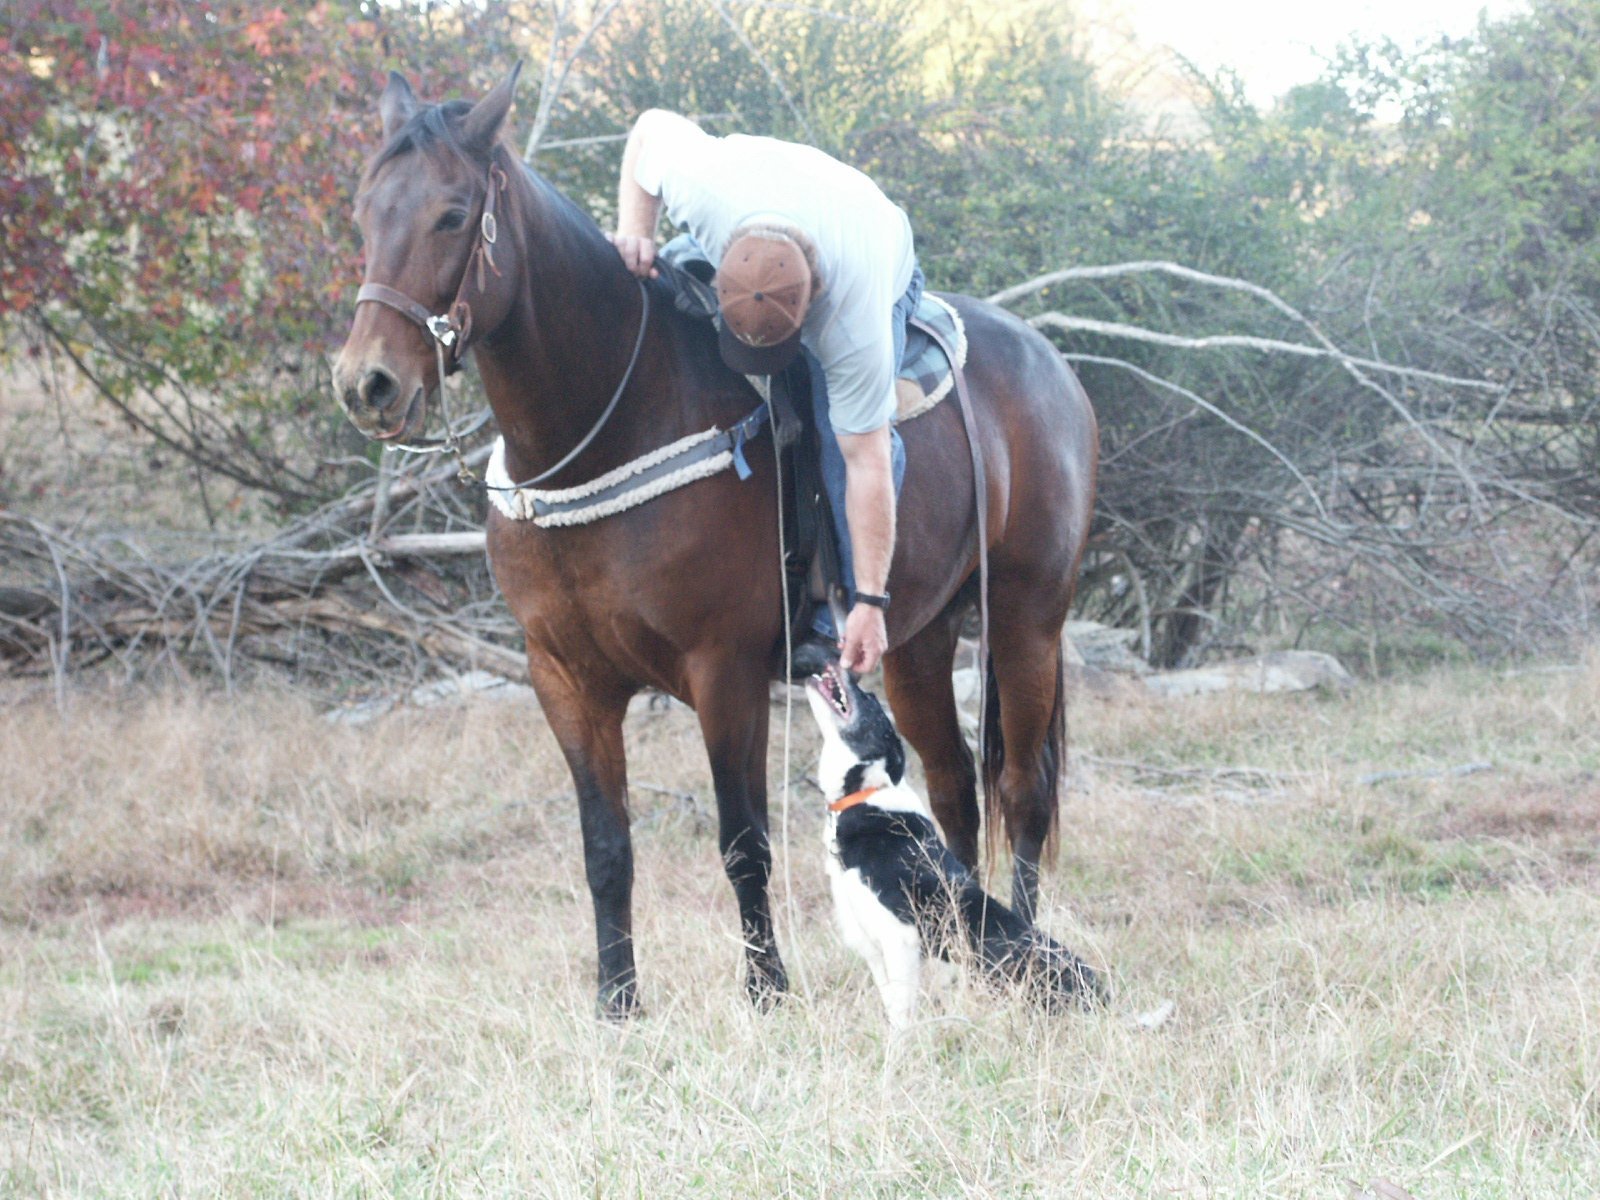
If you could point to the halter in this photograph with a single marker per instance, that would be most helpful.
(451, 331)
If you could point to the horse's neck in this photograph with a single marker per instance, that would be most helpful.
(552, 366)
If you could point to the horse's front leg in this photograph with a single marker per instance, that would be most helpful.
(731, 700)
(589, 731)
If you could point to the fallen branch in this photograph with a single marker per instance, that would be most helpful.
(1460, 770)
(1211, 773)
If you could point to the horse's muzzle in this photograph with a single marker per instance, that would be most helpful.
(379, 406)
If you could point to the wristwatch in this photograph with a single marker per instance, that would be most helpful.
(874, 600)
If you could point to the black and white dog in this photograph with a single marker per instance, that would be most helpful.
(898, 892)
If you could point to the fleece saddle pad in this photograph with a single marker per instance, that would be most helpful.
(926, 376)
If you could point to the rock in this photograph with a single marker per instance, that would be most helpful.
(481, 684)
(968, 687)
(1104, 648)
(1283, 671)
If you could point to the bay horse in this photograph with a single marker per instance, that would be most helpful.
(684, 593)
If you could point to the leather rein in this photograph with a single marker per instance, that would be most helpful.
(451, 331)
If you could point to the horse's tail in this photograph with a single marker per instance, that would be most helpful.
(1052, 760)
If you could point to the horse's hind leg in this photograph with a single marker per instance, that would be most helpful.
(917, 677)
(1031, 716)
(732, 703)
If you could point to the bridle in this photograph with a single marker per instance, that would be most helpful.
(451, 332)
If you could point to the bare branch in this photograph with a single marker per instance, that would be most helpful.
(558, 66)
(1230, 341)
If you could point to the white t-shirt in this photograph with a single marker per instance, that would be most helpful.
(713, 185)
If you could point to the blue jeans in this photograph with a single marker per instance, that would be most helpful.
(833, 471)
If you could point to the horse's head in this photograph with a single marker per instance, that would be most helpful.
(420, 209)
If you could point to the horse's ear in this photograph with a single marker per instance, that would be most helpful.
(396, 104)
(482, 125)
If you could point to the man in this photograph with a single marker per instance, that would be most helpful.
(811, 257)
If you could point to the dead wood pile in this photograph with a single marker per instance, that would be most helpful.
(339, 595)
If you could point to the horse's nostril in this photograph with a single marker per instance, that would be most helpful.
(378, 389)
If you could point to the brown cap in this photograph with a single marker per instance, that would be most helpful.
(764, 287)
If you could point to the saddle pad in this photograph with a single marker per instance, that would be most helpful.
(925, 377)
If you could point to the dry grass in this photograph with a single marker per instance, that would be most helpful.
(245, 953)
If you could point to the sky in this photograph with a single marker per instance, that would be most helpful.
(1275, 45)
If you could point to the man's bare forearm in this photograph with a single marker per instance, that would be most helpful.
(638, 212)
(869, 506)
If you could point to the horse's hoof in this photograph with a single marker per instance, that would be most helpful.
(619, 1002)
(766, 984)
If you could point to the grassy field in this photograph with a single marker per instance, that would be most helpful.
(247, 953)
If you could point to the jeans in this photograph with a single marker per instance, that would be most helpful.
(833, 469)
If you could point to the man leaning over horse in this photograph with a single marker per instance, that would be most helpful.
(812, 258)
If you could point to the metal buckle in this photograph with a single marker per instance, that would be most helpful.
(489, 227)
(443, 330)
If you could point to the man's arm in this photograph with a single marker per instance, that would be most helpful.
(638, 212)
(869, 512)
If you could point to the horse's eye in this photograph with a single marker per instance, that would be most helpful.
(451, 221)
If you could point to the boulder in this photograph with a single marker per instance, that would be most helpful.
(1281, 671)
(1104, 648)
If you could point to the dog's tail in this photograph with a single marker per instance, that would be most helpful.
(1012, 950)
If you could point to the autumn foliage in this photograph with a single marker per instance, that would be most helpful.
(185, 165)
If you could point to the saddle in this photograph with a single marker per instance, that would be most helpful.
(925, 377)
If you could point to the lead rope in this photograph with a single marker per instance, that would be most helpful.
(616, 397)
(791, 910)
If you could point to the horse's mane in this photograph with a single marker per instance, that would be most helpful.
(435, 125)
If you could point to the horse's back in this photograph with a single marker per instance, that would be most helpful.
(1041, 434)
(1040, 448)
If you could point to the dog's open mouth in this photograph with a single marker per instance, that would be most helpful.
(834, 689)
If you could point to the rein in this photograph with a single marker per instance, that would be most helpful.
(452, 330)
(611, 406)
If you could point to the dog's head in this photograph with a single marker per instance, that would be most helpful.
(860, 748)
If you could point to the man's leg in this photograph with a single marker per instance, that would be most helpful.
(833, 475)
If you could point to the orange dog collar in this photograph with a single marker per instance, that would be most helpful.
(853, 799)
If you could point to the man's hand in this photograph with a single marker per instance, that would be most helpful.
(638, 253)
(865, 639)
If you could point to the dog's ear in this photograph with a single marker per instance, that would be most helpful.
(895, 762)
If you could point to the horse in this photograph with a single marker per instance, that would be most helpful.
(684, 593)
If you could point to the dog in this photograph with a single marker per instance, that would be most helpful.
(898, 892)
